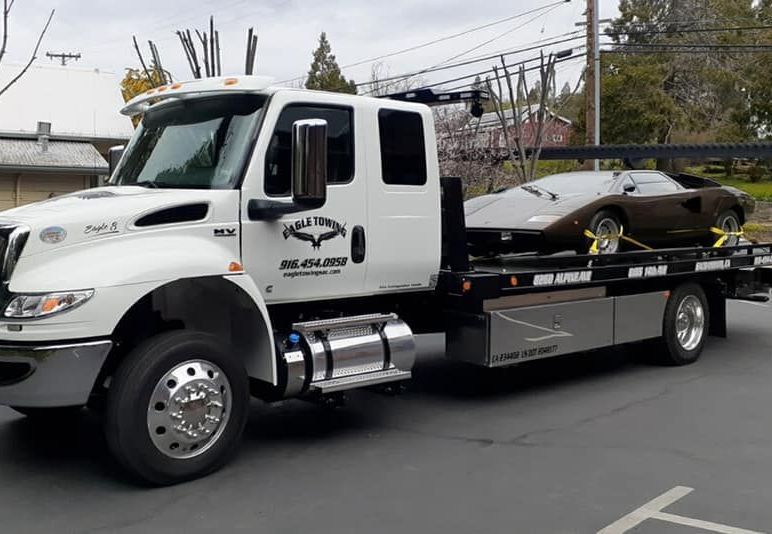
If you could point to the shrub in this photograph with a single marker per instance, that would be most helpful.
(756, 173)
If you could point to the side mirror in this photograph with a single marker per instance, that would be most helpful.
(114, 156)
(629, 188)
(309, 163)
(309, 174)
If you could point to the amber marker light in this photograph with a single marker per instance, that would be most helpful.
(176, 86)
(235, 267)
(513, 281)
(49, 305)
(231, 81)
(163, 88)
(466, 286)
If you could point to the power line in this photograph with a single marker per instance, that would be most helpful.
(442, 39)
(672, 51)
(511, 65)
(508, 52)
(691, 46)
(689, 30)
(529, 69)
(548, 8)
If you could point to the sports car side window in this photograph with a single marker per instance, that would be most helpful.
(654, 183)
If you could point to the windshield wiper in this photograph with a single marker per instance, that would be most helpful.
(552, 195)
(531, 189)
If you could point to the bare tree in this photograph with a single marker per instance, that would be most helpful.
(524, 106)
(7, 5)
(382, 83)
(465, 151)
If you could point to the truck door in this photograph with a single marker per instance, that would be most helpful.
(306, 255)
(403, 203)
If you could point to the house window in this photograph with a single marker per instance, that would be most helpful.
(340, 146)
(403, 153)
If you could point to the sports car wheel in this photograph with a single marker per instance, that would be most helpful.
(607, 226)
(729, 222)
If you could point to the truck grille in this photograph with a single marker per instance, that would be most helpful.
(13, 237)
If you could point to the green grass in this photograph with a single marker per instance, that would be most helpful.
(761, 190)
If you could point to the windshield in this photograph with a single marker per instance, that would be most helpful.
(576, 182)
(192, 144)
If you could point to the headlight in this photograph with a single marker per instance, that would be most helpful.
(29, 306)
(545, 218)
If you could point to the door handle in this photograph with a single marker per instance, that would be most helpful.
(358, 244)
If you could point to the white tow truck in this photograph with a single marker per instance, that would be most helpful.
(279, 243)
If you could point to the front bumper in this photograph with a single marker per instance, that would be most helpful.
(50, 375)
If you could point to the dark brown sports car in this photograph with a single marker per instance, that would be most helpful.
(551, 214)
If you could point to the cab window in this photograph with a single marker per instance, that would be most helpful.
(340, 146)
(403, 154)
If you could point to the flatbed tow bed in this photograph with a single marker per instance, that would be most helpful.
(509, 309)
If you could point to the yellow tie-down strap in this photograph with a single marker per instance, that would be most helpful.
(596, 239)
(724, 236)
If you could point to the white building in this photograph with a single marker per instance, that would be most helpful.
(56, 125)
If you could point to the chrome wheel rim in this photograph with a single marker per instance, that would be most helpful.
(731, 225)
(189, 409)
(608, 233)
(690, 322)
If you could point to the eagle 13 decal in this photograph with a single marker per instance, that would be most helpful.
(326, 229)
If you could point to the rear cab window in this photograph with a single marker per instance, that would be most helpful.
(403, 150)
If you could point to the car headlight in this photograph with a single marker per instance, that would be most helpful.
(545, 218)
(29, 306)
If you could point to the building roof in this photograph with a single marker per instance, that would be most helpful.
(491, 119)
(79, 103)
(70, 157)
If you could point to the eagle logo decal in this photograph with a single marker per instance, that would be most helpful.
(331, 229)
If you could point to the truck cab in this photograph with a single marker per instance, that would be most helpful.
(234, 205)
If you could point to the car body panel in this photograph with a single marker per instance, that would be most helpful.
(520, 220)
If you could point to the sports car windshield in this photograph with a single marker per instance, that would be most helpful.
(192, 144)
(576, 182)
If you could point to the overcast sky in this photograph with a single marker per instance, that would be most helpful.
(288, 30)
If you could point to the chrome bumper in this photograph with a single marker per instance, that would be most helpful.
(50, 375)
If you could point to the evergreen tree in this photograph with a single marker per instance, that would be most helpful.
(325, 74)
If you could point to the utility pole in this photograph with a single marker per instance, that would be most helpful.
(592, 84)
(63, 57)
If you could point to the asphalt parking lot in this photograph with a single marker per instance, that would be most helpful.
(570, 445)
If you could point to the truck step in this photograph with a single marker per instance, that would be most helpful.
(359, 381)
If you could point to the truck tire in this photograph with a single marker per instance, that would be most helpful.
(176, 408)
(685, 325)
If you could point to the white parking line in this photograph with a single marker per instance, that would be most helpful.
(653, 510)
